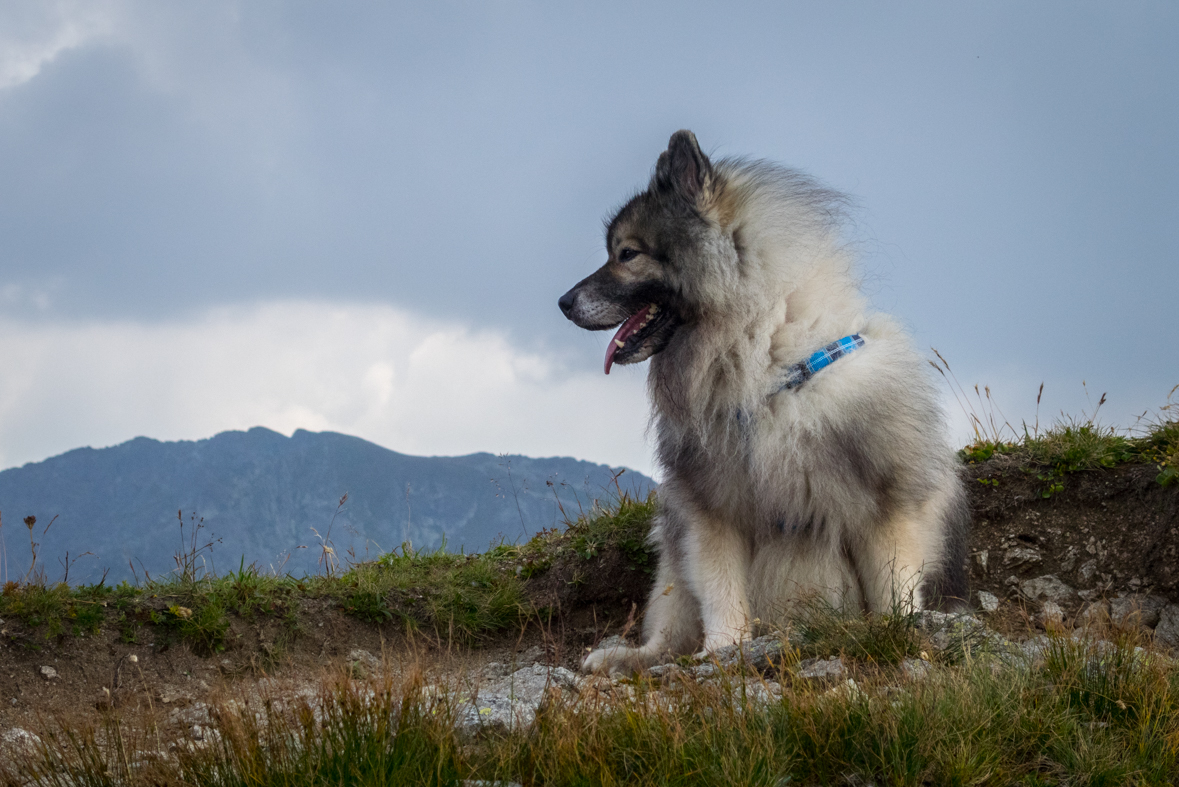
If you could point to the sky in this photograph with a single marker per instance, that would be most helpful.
(359, 216)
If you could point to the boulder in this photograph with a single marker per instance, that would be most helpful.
(1167, 630)
(513, 701)
(1047, 588)
(1136, 610)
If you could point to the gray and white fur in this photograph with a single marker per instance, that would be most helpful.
(844, 488)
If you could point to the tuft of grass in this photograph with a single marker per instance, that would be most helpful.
(55, 609)
(887, 638)
(457, 596)
(626, 526)
(1070, 445)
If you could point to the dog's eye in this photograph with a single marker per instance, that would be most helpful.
(626, 255)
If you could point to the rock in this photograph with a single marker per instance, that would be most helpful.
(170, 694)
(198, 713)
(1034, 649)
(847, 689)
(1088, 570)
(946, 629)
(1167, 630)
(988, 601)
(1047, 588)
(495, 669)
(1020, 556)
(512, 702)
(363, 664)
(1050, 613)
(49, 673)
(613, 641)
(915, 669)
(531, 656)
(821, 669)
(19, 741)
(761, 654)
(1136, 610)
(1094, 614)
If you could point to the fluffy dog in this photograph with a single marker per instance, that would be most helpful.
(801, 441)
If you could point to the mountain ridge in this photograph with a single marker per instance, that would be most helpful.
(262, 493)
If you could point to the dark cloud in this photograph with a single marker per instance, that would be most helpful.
(1016, 169)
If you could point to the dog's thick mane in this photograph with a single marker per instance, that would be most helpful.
(790, 289)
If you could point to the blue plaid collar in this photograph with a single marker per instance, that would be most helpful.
(798, 373)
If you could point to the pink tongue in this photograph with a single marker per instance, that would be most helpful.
(624, 332)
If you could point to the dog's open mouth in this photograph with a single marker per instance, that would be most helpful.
(642, 335)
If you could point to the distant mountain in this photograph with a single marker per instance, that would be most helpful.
(261, 493)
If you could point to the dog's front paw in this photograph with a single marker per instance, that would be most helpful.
(611, 660)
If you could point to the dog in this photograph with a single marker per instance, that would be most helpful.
(801, 440)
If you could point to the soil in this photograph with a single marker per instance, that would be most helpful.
(1106, 532)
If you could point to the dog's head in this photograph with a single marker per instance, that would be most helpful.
(671, 252)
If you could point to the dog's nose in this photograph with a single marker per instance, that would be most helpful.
(566, 302)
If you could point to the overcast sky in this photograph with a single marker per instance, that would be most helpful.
(359, 216)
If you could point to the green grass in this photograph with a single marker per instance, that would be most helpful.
(1086, 715)
(886, 639)
(456, 596)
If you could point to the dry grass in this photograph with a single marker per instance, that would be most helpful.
(1086, 714)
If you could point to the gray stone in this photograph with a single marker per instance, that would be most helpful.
(1021, 556)
(19, 741)
(1050, 612)
(363, 664)
(495, 669)
(703, 671)
(759, 654)
(1094, 614)
(1034, 649)
(821, 669)
(1088, 570)
(612, 641)
(1047, 588)
(915, 669)
(1167, 630)
(49, 673)
(946, 629)
(512, 702)
(531, 656)
(988, 601)
(1136, 610)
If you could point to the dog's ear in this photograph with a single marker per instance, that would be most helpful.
(683, 168)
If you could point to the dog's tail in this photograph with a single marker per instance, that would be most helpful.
(946, 588)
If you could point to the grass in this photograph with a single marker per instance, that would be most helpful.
(1071, 444)
(1087, 714)
(885, 639)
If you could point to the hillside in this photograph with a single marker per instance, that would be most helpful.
(260, 493)
(1064, 672)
